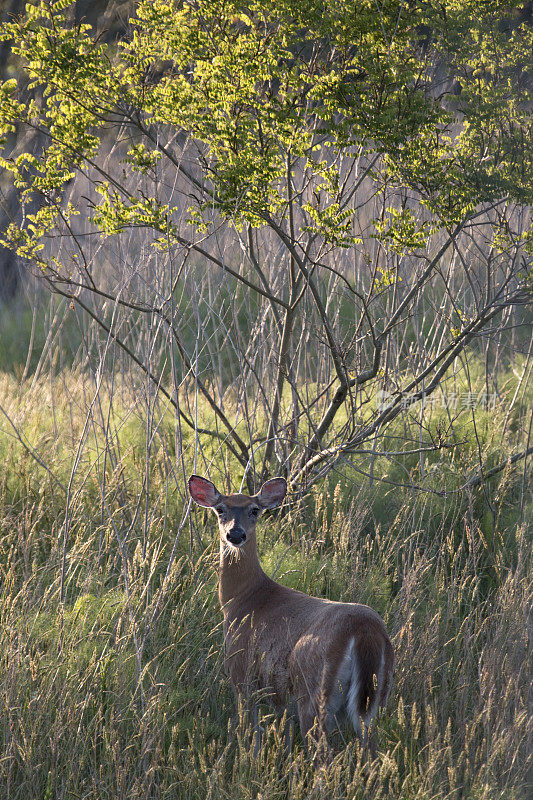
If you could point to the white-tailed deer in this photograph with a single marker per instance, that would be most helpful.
(333, 659)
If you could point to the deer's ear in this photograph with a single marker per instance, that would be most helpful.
(203, 491)
(272, 493)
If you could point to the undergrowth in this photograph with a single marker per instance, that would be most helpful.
(111, 648)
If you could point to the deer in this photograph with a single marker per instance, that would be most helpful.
(330, 661)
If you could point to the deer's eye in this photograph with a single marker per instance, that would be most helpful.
(254, 512)
(220, 510)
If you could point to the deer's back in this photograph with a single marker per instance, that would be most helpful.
(282, 640)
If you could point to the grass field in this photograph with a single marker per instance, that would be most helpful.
(111, 655)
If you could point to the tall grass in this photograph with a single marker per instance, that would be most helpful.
(111, 649)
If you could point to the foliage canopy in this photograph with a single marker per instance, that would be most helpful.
(259, 85)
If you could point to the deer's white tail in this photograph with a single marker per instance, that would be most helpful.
(362, 683)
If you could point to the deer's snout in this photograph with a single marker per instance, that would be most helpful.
(236, 535)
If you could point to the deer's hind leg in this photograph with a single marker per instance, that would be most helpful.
(313, 727)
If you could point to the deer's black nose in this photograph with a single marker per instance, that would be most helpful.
(236, 536)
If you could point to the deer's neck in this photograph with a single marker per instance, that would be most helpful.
(240, 573)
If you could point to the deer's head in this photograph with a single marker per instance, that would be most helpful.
(237, 513)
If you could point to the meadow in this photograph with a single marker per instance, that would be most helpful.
(112, 682)
(263, 238)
